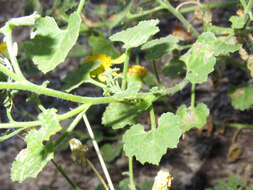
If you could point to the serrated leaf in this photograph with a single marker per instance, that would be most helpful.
(238, 22)
(49, 124)
(80, 76)
(110, 152)
(200, 59)
(51, 45)
(196, 118)
(158, 47)
(123, 114)
(242, 97)
(100, 45)
(31, 160)
(150, 146)
(137, 35)
(30, 164)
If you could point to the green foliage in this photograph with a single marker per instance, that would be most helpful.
(193, 118)
(241, 97)
(237, 22)
(150, 146)
(100, 45)
(51, 45)
(110, 152)
(233, 183)
(31, 160)
(173, 68)
(158, 47)
(137, 35)
(200, 59)
(79, 76)
(123, 114)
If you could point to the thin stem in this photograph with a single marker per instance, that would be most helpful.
(98, 84)
(152, 118)
(80, 6)
(193, 97)
(124, 82)
(243, 3)
(7, 72)
(28, 124)
(95, 144)
(12, 53)
(59, 168)
(131, 173)
(71, 126)
(156, 73)
(98, 174)
(249, 8)
(177, 14)
(241, 125)
(5, 137)
(137, 16)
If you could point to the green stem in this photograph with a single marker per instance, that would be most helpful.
(98, 84)
(243, 3)
(7, 72)
(5, 137)
(125, 69)
(177, 14)
(156, 73)
(131, 173)
(71, 127)
(241, 125)
(144, 13)
(12, 54)
(249, 8)
(59, 168)
(193, 97)
(80, 6)
(152, 118)
(28, 124)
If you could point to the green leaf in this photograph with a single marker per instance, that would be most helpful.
(123, 114)
(238, 22)
(79, 76)
(173, 68)
(196, 118)
(51, 45)
(158, 47)
(200, 59)
(232, 184)
(110, 152)
(100, 45)
(117, 18)
(242, 97)
(150, 146)
(137, 35)
(31, 160)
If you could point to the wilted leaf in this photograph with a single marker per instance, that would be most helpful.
(196, 118)
(242, 97)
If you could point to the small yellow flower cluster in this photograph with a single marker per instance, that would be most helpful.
(106, 65)
(3, 47)
(137, 70)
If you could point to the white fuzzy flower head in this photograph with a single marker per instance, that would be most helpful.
(162, 180)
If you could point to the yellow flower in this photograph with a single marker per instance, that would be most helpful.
(137, 70)
(3, 47)
(163, 180)
(105, 65)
